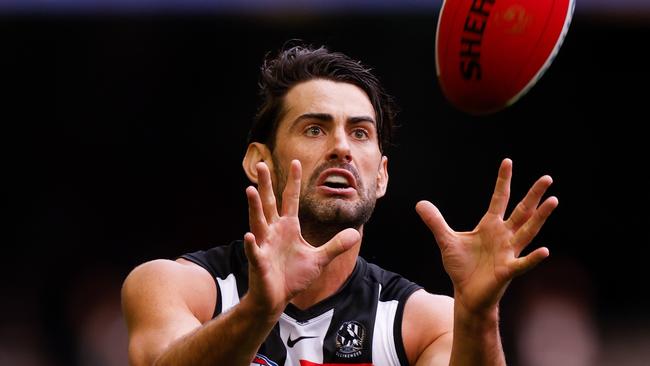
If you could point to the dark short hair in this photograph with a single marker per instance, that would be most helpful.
(296, 64)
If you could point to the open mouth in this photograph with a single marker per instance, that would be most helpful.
(337, 180)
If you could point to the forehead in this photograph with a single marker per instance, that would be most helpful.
(340, 99)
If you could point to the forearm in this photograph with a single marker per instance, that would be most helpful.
(232, 338)
(476, 338)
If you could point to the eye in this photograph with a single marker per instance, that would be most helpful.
(313, 131)
(360, 134)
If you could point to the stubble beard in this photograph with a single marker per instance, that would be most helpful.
(322, 218)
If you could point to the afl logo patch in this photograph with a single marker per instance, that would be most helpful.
(349, 339)
(261, 360)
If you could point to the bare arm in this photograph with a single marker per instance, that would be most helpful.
(165, 304)
(427, 328)
(168, 305)
(481, 264)
(440, 329)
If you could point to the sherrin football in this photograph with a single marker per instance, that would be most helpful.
(489, 53)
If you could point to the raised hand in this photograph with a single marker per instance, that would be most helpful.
(482, 262)
(282, 263)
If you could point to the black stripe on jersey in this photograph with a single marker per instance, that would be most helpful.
(395, 287)
(355, 304)
(397, 326)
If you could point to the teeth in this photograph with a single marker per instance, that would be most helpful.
(337, 179)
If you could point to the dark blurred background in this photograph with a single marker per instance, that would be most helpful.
(124, 125)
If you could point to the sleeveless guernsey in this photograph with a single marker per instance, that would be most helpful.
(361, 324)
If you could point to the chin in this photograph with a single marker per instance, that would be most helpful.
(342, 213)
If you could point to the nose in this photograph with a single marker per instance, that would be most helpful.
(340, 146)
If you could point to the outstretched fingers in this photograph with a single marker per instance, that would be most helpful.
(291, 194)
(501, 195)
(529, 230)
(434, 220)
(256, 219)
(267, 196)
(527, 206)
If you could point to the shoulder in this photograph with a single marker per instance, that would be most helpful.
(176, 284)
(162, 300)
(427, 318)
(393, 285)
(221, 260)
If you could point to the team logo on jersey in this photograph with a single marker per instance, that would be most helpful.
(349, 339)
(261, 360)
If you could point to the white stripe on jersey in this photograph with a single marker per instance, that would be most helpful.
(306, 348)
(383, 340)
(229, 293)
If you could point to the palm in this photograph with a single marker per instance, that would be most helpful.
(481, 263)
(282, 263)
(289, 262)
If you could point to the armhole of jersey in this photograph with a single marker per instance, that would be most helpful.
(198, 262)
(397, 330)
(218, 305)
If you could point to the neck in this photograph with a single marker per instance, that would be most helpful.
(317, 233)
(332, 276)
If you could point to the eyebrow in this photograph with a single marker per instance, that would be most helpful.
(326, 117)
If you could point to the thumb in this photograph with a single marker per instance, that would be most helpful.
(434, 220)
(525, 264)
(340, 243)
(252, 250)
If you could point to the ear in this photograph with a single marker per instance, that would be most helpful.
(382, 177)
(255, 153)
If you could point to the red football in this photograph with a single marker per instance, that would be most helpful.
(491, 52)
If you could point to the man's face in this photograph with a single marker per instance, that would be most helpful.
(330, 127)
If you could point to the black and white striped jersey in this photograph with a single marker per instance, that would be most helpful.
(361, 324)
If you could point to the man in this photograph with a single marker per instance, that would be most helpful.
(296, 292)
